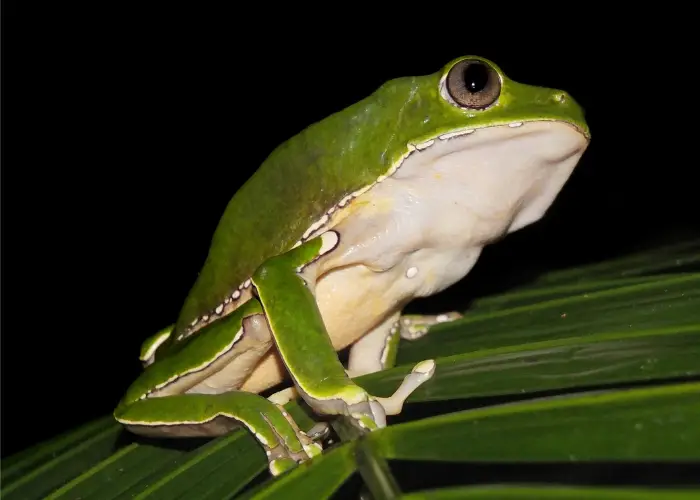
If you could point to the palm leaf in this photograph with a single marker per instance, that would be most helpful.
(584, 370)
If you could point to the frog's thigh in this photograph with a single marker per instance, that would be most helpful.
(415, 326)
(194, 415)
(269, 371)
(377, 350)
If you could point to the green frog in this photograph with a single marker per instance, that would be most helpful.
(390, 199)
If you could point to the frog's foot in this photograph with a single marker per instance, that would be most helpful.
(281, 458)
(415, 326)
(421, 373)
(371, 415)
(319, 431)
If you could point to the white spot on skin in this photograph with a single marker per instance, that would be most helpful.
(424, 145)
(319, 223)
(235, 295)
(194, 322)
(205, 317)
(411, 272)
(441, 318)
(329, 240)
(246, 284)
(450, 135)
(219, 309)
(515, 124)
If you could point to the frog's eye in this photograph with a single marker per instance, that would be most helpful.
(473, 84)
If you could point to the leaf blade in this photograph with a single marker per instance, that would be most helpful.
(527, 492)
(652, 423)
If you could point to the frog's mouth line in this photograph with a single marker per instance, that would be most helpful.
(242, 292)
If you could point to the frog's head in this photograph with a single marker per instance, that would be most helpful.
(507, 147)
(475, 93)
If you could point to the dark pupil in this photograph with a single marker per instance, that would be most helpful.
(476, 76)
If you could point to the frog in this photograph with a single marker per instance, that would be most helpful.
(343, 225)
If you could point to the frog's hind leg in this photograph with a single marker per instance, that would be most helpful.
(217, 414)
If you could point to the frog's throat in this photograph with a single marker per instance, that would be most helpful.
(242, 292)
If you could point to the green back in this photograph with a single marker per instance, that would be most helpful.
(300, 180)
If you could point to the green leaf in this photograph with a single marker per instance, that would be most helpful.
(617, 342)
(551, 493)
(375, 471)
(642, 332)
(658, 423)
(600, 360)
(221, 466)
(35, 473)
(527, 296)
(15, 467)
(673, 258)
(320, 477)
(670, 303)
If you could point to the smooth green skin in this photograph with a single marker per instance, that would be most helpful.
(264, 220)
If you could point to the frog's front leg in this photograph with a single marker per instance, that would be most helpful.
(285, 285)
(377, 349)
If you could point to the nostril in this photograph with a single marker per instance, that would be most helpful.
(560, 97)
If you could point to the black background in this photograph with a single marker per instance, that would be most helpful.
(126, 130)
